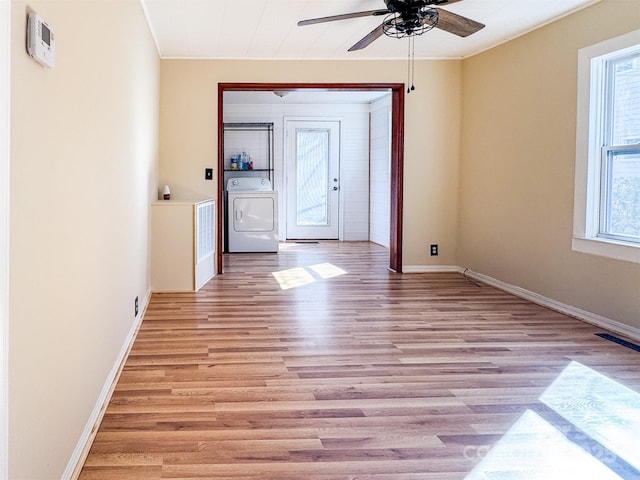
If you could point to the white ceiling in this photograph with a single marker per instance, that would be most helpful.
(266, 29)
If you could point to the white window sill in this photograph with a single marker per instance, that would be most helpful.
(607, 248)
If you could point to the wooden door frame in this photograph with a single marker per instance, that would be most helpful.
(397, 153)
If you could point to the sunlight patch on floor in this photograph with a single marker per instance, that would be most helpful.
(327, 270)
(300, 276)
(602, 408)
(534, 449)
(599, 440)
(293, 277)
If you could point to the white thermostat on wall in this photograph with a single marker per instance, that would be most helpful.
(41, 42)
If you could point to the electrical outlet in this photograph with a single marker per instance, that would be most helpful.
(136, 307)
(434, 249)
(208, 173)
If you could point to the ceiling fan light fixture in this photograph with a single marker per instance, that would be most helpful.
(281, 93)
(397, 26)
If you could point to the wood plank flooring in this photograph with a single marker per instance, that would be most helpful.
(344, 370)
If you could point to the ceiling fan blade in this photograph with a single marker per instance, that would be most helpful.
(368, 39)
(457, 24)
(344, 16)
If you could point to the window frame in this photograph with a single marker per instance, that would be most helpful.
(607, 154)
(591, 132)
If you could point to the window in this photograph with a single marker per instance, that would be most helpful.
(607, 193)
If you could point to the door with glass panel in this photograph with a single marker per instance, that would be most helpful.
(313, 183)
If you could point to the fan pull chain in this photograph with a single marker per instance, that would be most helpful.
(413, 62)
(411, 65)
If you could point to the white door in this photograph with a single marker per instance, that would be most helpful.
(313, 182)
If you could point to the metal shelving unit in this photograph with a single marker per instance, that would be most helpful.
(256, 139)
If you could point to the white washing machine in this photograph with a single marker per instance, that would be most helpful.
(252, 212)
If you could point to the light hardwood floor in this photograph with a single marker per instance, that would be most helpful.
(345, 370)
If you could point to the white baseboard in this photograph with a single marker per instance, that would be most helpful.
(431, 269)
(91, 429)
(589, 317)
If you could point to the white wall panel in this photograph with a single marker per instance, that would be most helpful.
(354, 181)
(379, 218)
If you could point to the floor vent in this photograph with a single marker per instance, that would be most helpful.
(619, 341)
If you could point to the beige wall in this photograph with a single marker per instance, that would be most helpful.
(517, 167)
(83, 173)
(188, 140)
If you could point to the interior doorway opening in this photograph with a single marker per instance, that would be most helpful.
(396, 92)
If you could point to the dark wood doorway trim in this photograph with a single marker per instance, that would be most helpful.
(397, 152)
